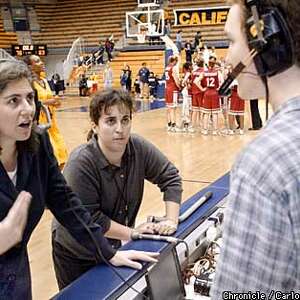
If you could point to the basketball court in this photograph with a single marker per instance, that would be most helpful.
(200, 159)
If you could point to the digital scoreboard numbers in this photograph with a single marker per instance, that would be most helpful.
(41, 50)
(23, 50)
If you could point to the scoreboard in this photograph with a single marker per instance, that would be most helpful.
(23, 50)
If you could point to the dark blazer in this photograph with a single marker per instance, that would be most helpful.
(38, 174)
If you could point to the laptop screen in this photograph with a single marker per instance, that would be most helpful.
(164, 279)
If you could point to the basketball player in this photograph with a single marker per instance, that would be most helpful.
(186, 94)
(211, 101)
(236, 108)
(197, 91)
(172, 91)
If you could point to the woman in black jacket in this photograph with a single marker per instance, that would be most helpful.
(29, 180)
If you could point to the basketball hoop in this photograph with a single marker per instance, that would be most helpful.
(141, 37)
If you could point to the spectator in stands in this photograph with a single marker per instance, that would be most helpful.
(197, 40)
(31, 181)
(188, 51)
(167, 28)
(99, 54)
(109, 46)
(44, 94)
(108, 174)
(179, 40)
(108, 76)
(144, 81)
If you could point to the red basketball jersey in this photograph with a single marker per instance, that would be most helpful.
(196, 74)
(211, 79)
(170, 81)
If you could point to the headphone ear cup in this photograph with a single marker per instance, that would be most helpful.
(276, 49)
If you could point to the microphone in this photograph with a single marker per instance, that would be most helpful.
(195, 206)
(224, 88)
(187, 213)
(141, 236)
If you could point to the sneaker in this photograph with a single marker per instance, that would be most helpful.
(230, 132)
(169, 128)
(173, 129)
(191, 130)
(224, 131)
(241, 131)
(177, 129)
(204, 131)
(185, 128)
(214, 132)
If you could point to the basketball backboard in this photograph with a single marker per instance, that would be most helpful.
(145, 22)
(147, 3)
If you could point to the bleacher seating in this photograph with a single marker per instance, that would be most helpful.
(6, 38)
(154, 60)
(63, 22)
(209, 33)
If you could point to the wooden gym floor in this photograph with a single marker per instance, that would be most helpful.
(200, 159)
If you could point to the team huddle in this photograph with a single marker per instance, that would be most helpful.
(201, 103)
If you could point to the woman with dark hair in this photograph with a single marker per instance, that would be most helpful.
(30, 179)
(108, 174)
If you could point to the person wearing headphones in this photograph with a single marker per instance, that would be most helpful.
(108, 174)
(260, 250)
(30, 180)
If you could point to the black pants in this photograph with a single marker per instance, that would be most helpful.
(56, 89)
(66, 266)
(255, 116)
(83, 91)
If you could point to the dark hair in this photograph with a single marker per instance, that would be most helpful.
(290, 10)
(104, 100)
(187, 66)
(14, 70)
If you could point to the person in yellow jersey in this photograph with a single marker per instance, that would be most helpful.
(45, 95)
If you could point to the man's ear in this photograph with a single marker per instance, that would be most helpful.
(94, 126)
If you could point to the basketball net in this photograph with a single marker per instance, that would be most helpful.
(141, 37)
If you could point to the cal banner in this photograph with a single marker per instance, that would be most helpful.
(201, 16)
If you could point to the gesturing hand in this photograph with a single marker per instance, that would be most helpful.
(13, 225)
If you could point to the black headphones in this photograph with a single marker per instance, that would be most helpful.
(268, 33)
